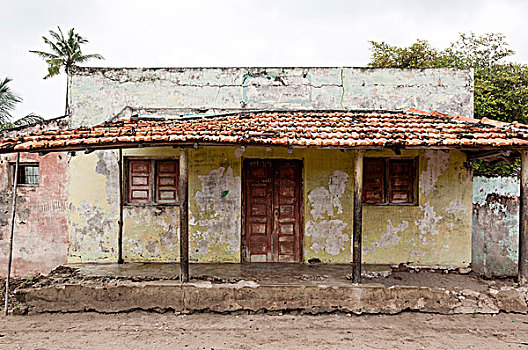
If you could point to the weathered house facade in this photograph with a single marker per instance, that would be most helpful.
(41, 242)
(275, 159)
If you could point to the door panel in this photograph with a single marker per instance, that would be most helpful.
(258, 216)
(272, 199)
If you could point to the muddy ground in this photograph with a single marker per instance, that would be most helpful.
(141, 330)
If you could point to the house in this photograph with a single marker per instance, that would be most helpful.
(273, 165)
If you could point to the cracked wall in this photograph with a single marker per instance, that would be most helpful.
(41, 232)
(93, 195)
(435, 231)
(495, 226)
(99, 94)
(216, 208)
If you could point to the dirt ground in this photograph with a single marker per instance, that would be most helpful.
(141, 330)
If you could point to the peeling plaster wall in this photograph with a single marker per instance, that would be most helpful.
(41, 231)
(99, 94)
(436, 231)
(151, 233)
(495, 226)
(215, 202)
(93, 194)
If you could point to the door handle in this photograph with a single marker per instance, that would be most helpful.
(276, 211)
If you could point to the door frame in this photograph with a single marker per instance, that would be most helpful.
(243, 258)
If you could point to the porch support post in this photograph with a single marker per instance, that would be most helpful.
(184, 215)
(13, 211)
(121, 203)
(358, 217)
(523, 221)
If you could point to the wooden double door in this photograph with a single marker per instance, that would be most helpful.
(272, 210)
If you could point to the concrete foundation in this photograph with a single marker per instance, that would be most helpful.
(307, 290)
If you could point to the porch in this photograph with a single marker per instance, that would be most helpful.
(265, 287)
(226, 273)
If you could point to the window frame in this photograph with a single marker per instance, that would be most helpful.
(386, 179)
(154, 181)
(12, 166)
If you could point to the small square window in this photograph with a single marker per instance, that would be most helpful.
(28, 174)
(389, 181)
(152, 181)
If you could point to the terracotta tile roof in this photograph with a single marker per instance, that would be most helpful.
(362, 129)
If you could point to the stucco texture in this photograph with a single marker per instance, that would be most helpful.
(495, 226)
(436, 231)
(99, 94)
(41, 234)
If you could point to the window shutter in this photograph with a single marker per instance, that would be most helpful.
(374, 180)
(139, 181)
(401, 181)
(167, 181)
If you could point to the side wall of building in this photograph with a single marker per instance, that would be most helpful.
(495, 226)
(41, 232)
(435, 231)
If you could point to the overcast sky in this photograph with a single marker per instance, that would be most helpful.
(157, 33)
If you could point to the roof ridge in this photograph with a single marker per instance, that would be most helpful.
(458, 117)
(277, 111)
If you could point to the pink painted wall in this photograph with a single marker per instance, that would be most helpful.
(41, 231)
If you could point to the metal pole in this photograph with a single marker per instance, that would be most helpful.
(523, 221)
(184, 215)
(10, 259)
(358, 217)
(121, 203)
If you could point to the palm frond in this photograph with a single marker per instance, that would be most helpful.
(28, 120)
(84, 58)
(65, 51)
(44, 55)
(8, 100)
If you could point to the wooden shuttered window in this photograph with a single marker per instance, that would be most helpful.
(401, 181)
(389, 181)
(167, 184)
(374, 180)
(152, 181)
(139, 181)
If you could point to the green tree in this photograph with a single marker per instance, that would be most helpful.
(65, 54)
(8, 101)
(501, 88)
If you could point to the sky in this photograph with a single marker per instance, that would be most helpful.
(156, 33)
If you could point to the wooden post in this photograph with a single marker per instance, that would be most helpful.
(121, 204)
(358, 217)
(523, 221)
(13, 212)
(184, 215)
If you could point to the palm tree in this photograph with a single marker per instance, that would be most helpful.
(65, 54)
(27, 120)
(8, 100)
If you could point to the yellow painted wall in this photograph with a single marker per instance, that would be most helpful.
(435, 231)
(151, 233)
(216, 222)
(93, 213)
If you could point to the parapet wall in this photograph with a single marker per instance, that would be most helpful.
(99, 94)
